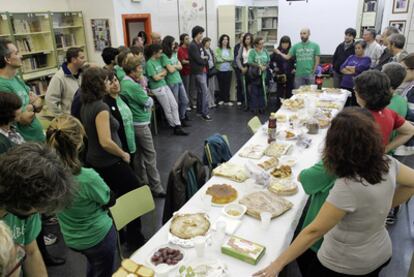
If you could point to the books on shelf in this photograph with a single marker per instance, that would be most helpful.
(25, 26)
(38, 86)
(25, 44)
(64, 40)
(34, 62)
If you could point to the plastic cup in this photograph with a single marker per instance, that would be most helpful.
(200, 246)
(265, 218)
(162, 270)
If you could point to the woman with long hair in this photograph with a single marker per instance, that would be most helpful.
(224, 59)
(283, 70)
(211, 72)
(356, 241)
(258, 61)
(105, 153)
(172, 64)
(85, 224)
(242, 64)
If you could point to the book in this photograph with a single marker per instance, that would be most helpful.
(244, 250)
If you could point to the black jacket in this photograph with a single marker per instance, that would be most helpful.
(385, 58)
(186, 177)
(197, 64)
(341, 55)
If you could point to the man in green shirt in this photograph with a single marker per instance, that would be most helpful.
(22, 198)
(10, 61)
(307, 57)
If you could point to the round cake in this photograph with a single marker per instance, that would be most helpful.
(222, 194)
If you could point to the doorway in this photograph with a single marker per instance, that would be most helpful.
(133, 23)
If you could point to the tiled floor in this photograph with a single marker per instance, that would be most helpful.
(232, 122)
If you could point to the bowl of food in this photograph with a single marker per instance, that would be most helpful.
(165, 258)
(234, 210)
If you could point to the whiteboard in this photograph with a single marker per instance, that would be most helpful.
(327, 21)
(190, 14)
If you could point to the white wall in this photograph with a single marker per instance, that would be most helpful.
(326, 19)
(93, 9)
(34, 6)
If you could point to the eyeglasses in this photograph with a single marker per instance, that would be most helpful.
(20, 258)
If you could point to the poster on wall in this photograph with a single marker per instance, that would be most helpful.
(399, 24)
(400, 6)
(101, 34)
(190, 14)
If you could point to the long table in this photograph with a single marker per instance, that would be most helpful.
(278, 235)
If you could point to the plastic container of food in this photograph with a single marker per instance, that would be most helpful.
(234, 210)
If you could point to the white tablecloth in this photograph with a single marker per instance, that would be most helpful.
(280, 232)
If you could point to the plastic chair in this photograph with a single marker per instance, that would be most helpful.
(254, 124)
(129, 207)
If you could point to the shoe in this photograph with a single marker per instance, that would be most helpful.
(239, 104)
(53, 261)
(221, 103)
(178, 131)
(50, 239)
(188, 109)
(206, 118)
(212, 106)
(230, 104)
(184, 123)
(194, 107)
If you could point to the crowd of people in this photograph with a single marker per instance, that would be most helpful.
(99, 145)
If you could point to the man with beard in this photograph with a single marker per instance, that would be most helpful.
(307, 57)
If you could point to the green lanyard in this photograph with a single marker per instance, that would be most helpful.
(126, 115)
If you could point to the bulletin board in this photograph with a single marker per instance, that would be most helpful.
(190, 14)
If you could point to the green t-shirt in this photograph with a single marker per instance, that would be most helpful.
(85, 223)
(152, 68)
(137, 99)
(175, 77)
(33, 131)
(127, 120)
(399, 105)
(24, 231)
(305, 54)
(317, 183)
(119, 72)
(258, 58)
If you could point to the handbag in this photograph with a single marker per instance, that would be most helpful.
(253, 72)
(212, 72)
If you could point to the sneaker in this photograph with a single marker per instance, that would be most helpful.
(178, 131)
(206, 118)
(49, 239)
(230, 104)
(239, 104)
(188, 109)
(194, 107)
(221, 103)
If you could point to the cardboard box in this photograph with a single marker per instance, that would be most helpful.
(243, 249)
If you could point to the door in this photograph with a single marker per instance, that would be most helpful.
(133, 23)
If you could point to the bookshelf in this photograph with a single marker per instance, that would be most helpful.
(263, 22)
(43, 39)
(240, 22)
(68, 31)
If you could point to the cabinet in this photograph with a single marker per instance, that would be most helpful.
(42, 39)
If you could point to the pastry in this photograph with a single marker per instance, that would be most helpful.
(327, 105)
(289, 135)
(265, 201)
(252, 152)
(281, 118)
(232, 171)
(222, 194)
(188, 226)
(294, 104)
(129, 265)
(145, 272)
(131, 269)
(284, 171)
(277, 149)
(269, 163)
(323, 123)
(283, 187)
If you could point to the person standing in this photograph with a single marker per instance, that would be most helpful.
(182, 55)
(373, 49)
(211, 72)
(258, 61)
(386, 55)
(237, 72)
(396, 44)
(342, 52)
(10, 61)
(242, 58)
(65, 82)
(307, 57)
(352, 67)
(283, 70)
(172, 64)
(140, 104)
(224, 59)
(198, 64)
(155, 38)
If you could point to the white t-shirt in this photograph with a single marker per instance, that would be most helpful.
(359, 243)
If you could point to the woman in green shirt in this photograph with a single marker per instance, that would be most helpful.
(258, 61)
(224, 59)
(85, 223)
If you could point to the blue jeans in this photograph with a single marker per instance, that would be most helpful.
(256, 97)
(101, 257)
(202, 93)
(305, 80)
(181, 97)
